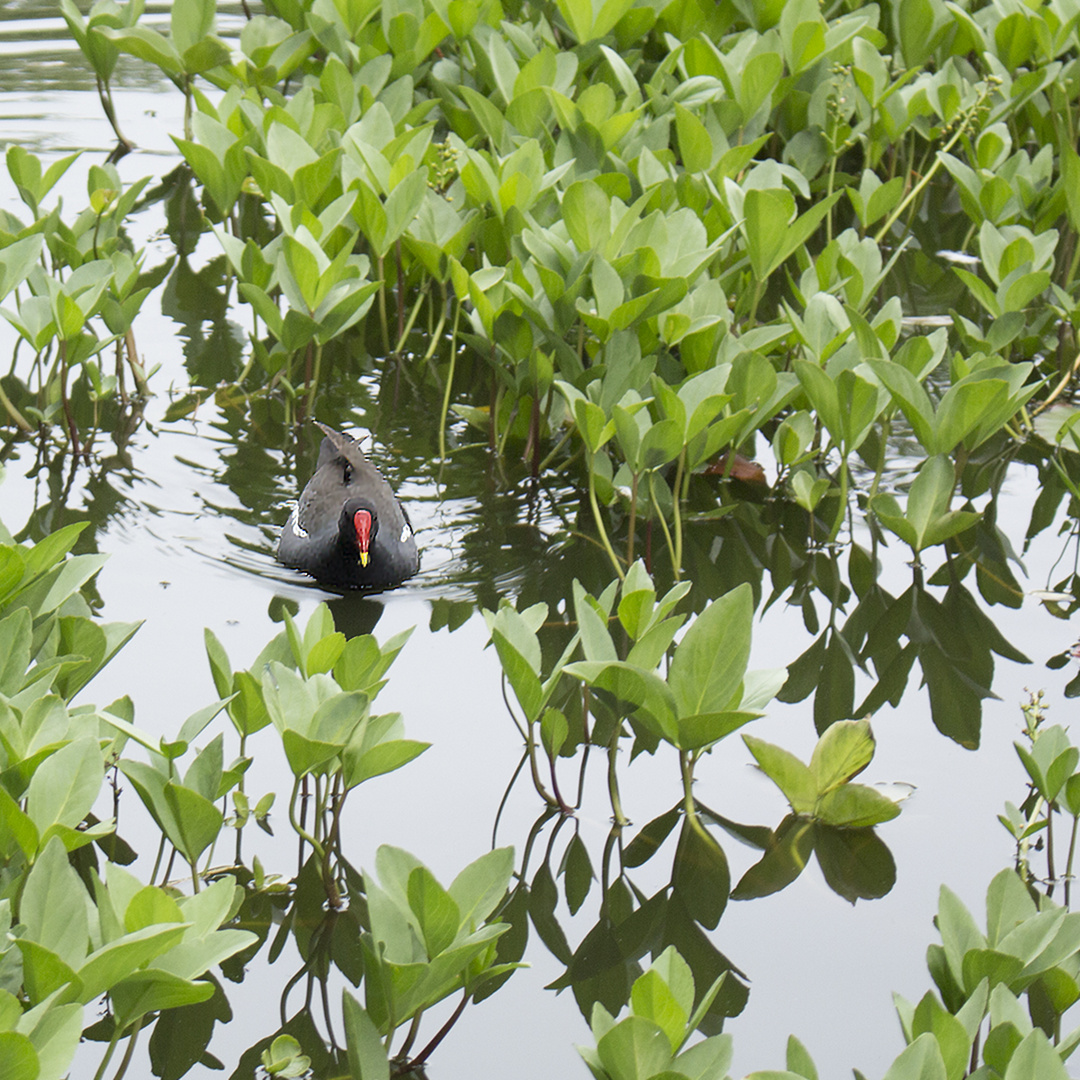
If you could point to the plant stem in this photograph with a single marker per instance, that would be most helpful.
(188, 134)
(297, 827)
(842, 508)
(16, 416)
(108, 1053)
(563, 808)
(759, 288)
(382, 308)
(130, 1050)
(1069, 860)
(600, 526)
(662, 520)
(534, 768)
(676, 493)
(441, 1033)
(410, 1038)
(566, 436)
(313, 378)
(961, 128)
(405, 328)
(400, 294)
(1050, 875)
(125, 145)
(687, 761)
(449, 384)
(633, 519)
(886, 428)
(73, 432)
(617, 815)
(436, 334)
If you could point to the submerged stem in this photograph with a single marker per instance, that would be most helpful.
(617, 815)
(600, 527)
(405, 328)
(382, 308)
(449, 385)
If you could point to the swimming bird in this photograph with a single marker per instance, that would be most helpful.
(348, 529)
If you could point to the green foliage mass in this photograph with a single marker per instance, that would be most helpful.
(664, 232)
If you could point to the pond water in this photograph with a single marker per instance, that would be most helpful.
(188, 510)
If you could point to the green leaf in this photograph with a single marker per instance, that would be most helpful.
(787, 772)
(695, 145)
(705, 729)
(367, 1055)
(653, 999)
(650, 696)
(997, 967)
(578, 873)
(1035, 1059)
(520, 660)
(855, 806)
(220, 668)
(18, 1058)
(198, 820)
(856, 864)
(771, 234)
(18, 825)
(151, 905)
(1008, 904)
(921, 1060)
(436, 913)
(821, 390)
(44, 972)
(845, 749)
(1070, 172)
(16, 261)
(709, 1058)
(586, 211)
(324, 654)
(634, 1047)
(65, 785)
(928, 518)
(543, 898)
(709, 664)
(147, 45)
(953, 1041)
(596, 640)
(649, 838)
(767, 216)
(700, 875)
(152, 990)
(799, 1060)
(190, 21)
(120, 958)
(783, 861)
(53, 909)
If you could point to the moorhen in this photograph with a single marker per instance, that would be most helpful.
(348, 530)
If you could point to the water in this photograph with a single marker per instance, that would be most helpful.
(188, 509)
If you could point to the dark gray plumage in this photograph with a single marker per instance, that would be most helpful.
(346, 506)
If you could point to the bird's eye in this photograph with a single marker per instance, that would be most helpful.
(347, 474)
